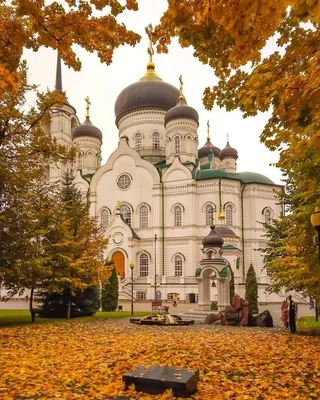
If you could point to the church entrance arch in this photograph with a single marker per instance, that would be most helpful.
(118, 259)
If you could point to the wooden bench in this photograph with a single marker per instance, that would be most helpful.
(157, 307)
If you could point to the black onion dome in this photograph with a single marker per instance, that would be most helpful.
(146, 93)
(207, 148)
(213, 239)
(225, 231)
(87, 129)
(181, 110)
(229, 152)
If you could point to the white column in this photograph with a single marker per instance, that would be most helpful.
(204, 303)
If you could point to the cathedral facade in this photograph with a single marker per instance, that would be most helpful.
(159, 192)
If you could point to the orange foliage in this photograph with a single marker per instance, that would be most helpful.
(87, 360)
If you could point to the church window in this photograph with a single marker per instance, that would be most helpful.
(126, 213)
(138, 141)
(98, 160)
(143, 217)
(177, 144)
(80, 160)
(144, 265)
(267, 217)
(124, 181)
(209, 214)
(104, 219)
(177, 216)
(178, 266)
(141, 296)
(228, 211)
(156, 140)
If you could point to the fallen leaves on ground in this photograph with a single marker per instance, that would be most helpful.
(86, 360)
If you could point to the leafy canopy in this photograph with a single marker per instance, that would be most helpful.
(30, 24)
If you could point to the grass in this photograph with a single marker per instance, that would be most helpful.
(22, 317)
(309, 325)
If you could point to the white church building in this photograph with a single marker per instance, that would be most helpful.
(160, 190)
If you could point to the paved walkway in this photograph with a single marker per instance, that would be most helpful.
(275, 309)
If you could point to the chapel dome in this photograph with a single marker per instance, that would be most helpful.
(213, 239)
(181, 111)
(150, 91)
(207, 148)
(87, 129)
(225, 231)
(228, 152)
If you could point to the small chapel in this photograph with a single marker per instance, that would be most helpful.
(160, 191)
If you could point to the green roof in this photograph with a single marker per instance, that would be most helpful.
(252, 177)
(230, 247)
(205, 166)
(244, 177)
(211, 174)
(198, 271)
(134, 235)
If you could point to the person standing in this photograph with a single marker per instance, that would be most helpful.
(292, 315)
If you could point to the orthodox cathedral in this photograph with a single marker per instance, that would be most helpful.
(159, 192)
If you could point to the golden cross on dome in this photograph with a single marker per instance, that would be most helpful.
(208, 130)
(150, 50)
(88, 106)
(181, 87)
(118, 206)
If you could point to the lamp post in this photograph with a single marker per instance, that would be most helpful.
(131, 265)
(155, 266)
(315, 221)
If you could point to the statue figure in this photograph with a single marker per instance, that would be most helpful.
(237, 314)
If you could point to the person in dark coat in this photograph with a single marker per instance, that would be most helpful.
(292, 315)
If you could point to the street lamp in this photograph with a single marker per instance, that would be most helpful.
(131, 265)
(155, 267)
(315, 221)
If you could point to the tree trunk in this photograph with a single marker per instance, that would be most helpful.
(32, 313)
(69, 306)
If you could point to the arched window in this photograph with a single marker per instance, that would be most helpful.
(104, 219)
(144, 265)
(178, 266)
(126, 213)
(267, 217)
(177, 216)
(138, 141)
(98, 159)
(177, 144)
(80, 160)
(209, 214)
(156, 140)
(228, 211)
(143, 214)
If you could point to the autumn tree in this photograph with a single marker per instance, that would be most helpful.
(27, 201)
(109, 295)
(31, 24)
(251, 294)
(265, 56)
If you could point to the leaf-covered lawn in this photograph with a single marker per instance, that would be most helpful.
(22, 317)
(86, 360)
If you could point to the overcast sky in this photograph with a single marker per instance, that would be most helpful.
(104, 83)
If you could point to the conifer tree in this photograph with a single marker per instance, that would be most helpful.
(77, 253)
(252, 290)
(231, 283)
(109, 295)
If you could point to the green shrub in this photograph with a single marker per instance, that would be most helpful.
(109, 295)
(252, 290)
(214, 305)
